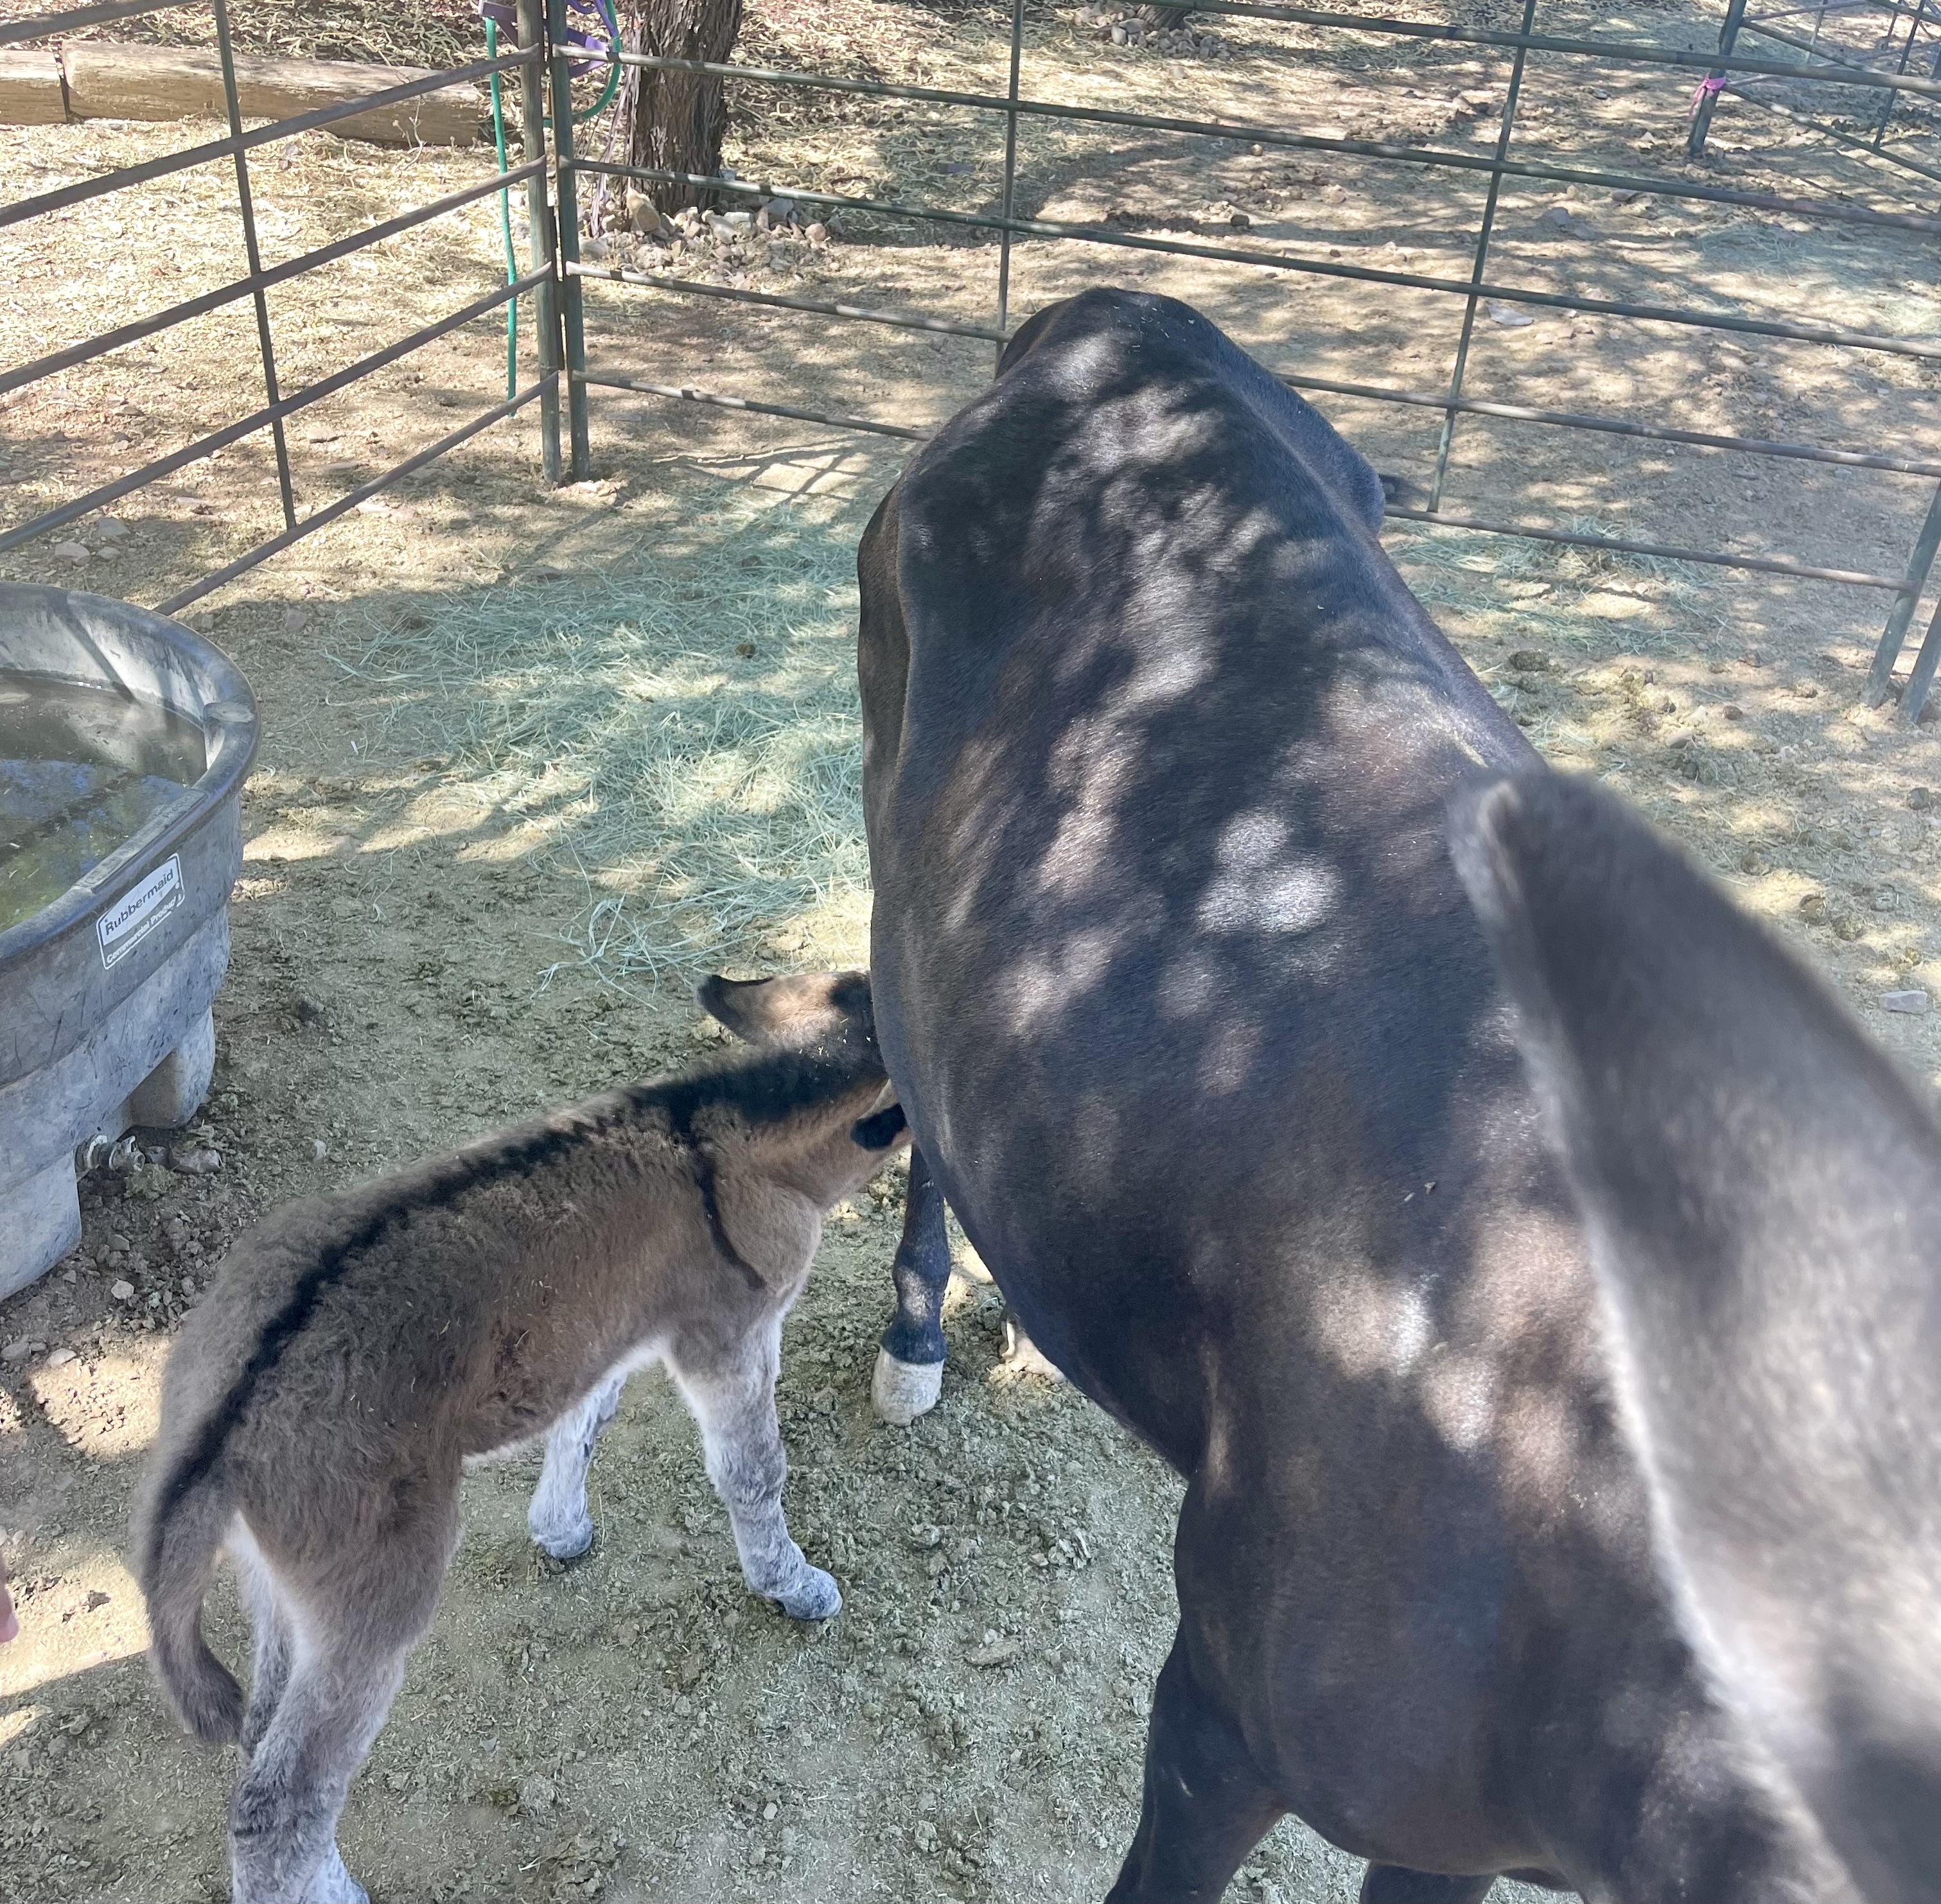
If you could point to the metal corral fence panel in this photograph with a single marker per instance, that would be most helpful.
(539, 284)
(1885, 35)
(1889, 80)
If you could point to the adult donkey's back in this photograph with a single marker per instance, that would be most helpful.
(1197, 1031)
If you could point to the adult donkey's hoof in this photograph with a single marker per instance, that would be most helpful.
(902, 1391)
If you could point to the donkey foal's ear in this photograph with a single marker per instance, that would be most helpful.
(797, 1010)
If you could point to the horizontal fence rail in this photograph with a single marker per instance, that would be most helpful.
(1095, 234)
(314, 121)
(1752, 446)
(1822, 68)
(537, 286)
(1570, 538)
(330, 511)
(543, 60)
(204, 447)
(72, 19)
(1619, 52)
(1258, 132)
(42, 367)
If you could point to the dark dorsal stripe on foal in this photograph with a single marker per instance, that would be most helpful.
(701, 1167)
(763, 1087)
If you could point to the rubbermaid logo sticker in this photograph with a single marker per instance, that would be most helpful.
(138, 912)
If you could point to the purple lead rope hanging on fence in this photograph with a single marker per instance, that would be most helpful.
(604, 42)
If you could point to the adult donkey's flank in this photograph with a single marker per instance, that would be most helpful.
(356, 1351)
(1197, 1029)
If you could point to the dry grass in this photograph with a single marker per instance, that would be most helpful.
(421, 33)
(686, 722)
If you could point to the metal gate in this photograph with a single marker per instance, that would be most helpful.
(550, 284)
(538, 285)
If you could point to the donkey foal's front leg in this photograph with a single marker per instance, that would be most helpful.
(557, 1519)
(734, 1400)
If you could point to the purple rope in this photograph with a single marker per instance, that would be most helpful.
(603, 41)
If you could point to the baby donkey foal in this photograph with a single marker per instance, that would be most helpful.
(356, 1351)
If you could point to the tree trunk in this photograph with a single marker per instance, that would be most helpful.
(679, 118)
(1163, 19)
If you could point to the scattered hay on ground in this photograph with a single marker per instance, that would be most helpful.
(425, 33)
(685, 726)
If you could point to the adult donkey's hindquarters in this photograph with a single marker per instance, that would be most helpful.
(356, 1351)
(1197, 1029)
(1763, 1192)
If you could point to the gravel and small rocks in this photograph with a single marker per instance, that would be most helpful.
(1126, 26)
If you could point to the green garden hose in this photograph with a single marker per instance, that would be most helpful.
(598, 106)
(505, 217)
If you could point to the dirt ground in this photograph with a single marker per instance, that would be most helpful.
(428, 934)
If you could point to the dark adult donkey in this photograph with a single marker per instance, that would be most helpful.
(1196, 1026)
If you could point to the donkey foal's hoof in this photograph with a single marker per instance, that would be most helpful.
(333, 1885)
(816, 1597)
(565, 1544)
(902, 1391)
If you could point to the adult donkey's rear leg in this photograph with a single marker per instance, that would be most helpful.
(1206, 1804)
(909, 1365)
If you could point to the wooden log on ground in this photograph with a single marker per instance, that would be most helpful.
(106, 80)
(31, 93)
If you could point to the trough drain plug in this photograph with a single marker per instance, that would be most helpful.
(120, 1154)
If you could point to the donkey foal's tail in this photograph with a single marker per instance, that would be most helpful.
(179, 1537)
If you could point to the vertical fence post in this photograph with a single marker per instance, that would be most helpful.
(1708, 88)
(1905, 601)
(1922, 679)
(569, 291)
(1443, 448)
(1906, 54)
(1010, 173)
(265, 348)
(539, 215)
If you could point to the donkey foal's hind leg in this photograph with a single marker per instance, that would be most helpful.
(557, 1518)
(283, 1817)
(363, 1612)
(272, 1627)
(733, 1398)
(332, 1883)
